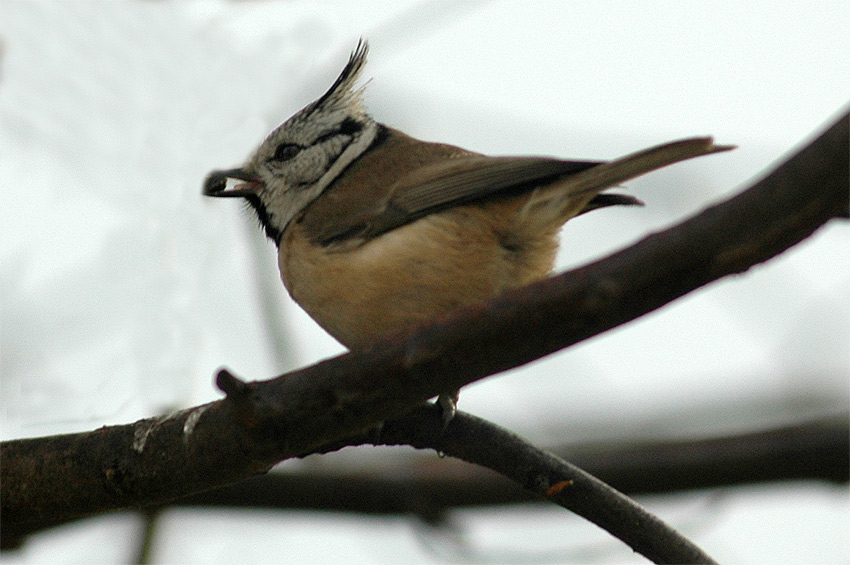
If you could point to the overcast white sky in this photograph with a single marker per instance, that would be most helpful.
(122, 289)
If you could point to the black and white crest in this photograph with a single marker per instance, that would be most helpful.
(306, 153)
(341, 94)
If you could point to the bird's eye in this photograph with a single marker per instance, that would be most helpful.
(285, 152)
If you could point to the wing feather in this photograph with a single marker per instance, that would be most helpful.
(441, 176)
(459, 181)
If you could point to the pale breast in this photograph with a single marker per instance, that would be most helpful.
(411, 274)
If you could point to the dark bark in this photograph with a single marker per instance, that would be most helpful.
(54, 479)
(818, 450)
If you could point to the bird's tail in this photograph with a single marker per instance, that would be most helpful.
(578, 193)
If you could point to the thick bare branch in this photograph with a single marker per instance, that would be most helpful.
(55, 479)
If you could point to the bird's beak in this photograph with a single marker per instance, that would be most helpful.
(216, 183)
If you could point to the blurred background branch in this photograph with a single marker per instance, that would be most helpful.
(816, 450)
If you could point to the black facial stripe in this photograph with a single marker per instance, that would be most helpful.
(326, 136)
(381, 136)
(307, 182)
(263, 216)
(348, 127)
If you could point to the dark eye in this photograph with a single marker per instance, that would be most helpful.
(285, 152)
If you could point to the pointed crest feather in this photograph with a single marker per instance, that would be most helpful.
(342, 94)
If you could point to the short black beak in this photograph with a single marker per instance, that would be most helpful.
(216, 183)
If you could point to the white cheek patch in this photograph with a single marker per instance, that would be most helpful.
(308, 167)
(354, 149)
(304, 178)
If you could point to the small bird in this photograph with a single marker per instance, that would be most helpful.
(378, 232)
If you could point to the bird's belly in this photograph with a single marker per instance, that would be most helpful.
(407, 276)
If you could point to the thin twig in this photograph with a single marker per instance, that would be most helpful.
(544, 474)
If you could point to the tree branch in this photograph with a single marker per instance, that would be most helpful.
(50, 480)
(816, 450)
(543, 474)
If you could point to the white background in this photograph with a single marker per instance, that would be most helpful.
(122, 289)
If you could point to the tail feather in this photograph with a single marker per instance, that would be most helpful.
(609, 199)
(579, 193)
